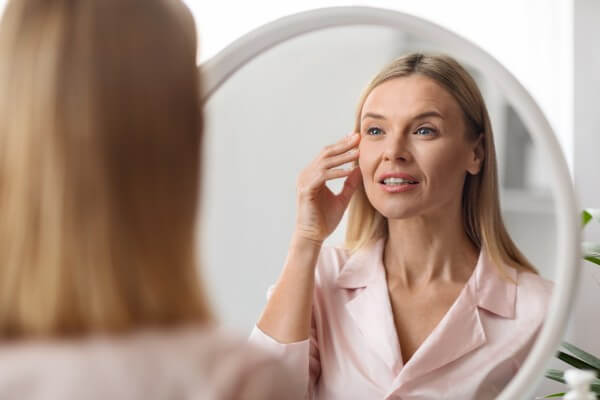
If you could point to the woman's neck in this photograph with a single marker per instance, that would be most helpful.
(428, 249)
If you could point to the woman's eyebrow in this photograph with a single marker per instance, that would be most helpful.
(373, 115)
(426, 114)
(422, 115)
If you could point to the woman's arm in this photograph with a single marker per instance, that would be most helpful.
(287, 315)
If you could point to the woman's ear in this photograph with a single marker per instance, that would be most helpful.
(476, 155)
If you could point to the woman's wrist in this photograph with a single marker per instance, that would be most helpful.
(303, 242)
(303, 252)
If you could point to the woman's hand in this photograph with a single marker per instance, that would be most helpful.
(319, 211)
(287, 315)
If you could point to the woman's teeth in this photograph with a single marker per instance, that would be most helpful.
(397, 181)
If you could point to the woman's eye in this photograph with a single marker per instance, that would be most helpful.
(374, 131)
(424, 131)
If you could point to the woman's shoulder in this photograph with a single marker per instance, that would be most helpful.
(202, 362)
(534, 284)
(532, 299)
(330, 262)
(533, 294)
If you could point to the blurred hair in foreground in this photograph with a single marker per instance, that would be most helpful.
(100, 143)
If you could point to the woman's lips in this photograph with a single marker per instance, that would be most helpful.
(400, 175)
(398, 188)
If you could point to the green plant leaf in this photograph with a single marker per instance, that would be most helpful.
(585, 217)
(583, 355)
(548, 396)
(594, 260)
(555, 375)
(595, 387)
(591, 252)
(589, 214)
(575, 362)
(590, 249)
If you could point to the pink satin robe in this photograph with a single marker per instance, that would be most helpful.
(353, 351)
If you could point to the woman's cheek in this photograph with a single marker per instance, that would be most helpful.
(445, 168)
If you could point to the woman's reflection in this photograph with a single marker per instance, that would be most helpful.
(430, 298)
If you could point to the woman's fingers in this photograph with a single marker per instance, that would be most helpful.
(338, 173)
(341, 146)
(336, 161)
(318, 210)
(323, 176)
(323, 167)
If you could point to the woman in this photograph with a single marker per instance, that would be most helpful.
(100, 149)
(430, 298)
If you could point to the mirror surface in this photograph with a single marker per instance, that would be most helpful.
(274, 115)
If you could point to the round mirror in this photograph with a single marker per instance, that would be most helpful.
(278, 95)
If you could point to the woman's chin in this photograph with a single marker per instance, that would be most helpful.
(399, 212)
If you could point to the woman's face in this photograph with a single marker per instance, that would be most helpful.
(414, 151)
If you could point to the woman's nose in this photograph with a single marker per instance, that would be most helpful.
(397, 148)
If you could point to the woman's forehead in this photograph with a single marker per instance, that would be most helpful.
(409, 96)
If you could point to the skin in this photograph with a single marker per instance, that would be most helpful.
(427, 257)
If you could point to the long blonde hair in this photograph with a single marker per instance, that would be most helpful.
(100, 143)
(482, 218)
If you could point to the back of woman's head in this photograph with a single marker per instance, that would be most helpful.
(100, 134)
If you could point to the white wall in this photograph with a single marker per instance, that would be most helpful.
(584, 329)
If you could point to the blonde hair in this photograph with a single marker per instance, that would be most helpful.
(482, 218)
(100, 143)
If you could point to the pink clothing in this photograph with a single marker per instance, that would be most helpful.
(188, 363)
(353, 351)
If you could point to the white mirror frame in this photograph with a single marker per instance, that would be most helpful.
(219, 68)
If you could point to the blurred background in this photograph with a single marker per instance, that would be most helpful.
(274, 115)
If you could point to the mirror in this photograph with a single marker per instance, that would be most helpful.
(271, 115)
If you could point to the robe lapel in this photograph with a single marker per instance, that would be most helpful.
(370, 308)
(458, 333)
(461, 330)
